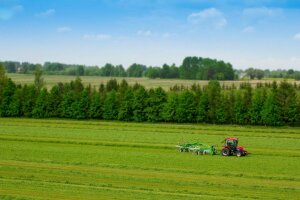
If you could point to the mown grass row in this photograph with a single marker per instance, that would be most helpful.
(113, 160)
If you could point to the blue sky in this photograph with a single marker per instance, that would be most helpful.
(250, 33)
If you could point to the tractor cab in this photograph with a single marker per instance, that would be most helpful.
(231, 148)
(231, 143)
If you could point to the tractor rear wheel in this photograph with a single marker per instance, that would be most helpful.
(225, 152)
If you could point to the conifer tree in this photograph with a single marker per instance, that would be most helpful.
(139, 104)
(186, 109)
(126, 107)
(15, 107)
(169, 110)
(8, 92)
(110, 107)
(41, 107)
(96, 108)
(156, 101)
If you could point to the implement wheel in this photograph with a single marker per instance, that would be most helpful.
(225, 152)
(239, 154)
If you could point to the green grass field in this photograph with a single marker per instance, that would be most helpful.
(65, 159)
(51, 80)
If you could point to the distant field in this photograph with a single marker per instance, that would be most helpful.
(65, 159)
(148, 83)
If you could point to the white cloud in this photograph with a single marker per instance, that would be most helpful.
(97, 37)
(46, 13)
(8, 13)
(297, 36)
(262, 12)
(64, 29)
(249, 29)
(211, 15)
(146, 33)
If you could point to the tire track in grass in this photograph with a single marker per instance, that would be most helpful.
(123, 189)
(150, 172)
(257, 151)
(200, 131)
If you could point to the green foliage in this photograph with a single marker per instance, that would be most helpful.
(41, 108)
(203, 106)
(54, 100)
(155, 104)
(139, 104)
(221, 113)
(15, 106)
(270, 112)
(169, 110)
(136, 70)
(205, 69)
(268, 104)
(213, 93)
(186, 107)
(96, 110)
(66, 106)
(81, 107)
(110, 107)
(289, 112)
(126, 106)
(255, 73)
(258, 99)
(29, 98)
(38, 80)
(7, 99)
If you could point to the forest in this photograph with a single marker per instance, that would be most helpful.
(191, 68)
(272, 104)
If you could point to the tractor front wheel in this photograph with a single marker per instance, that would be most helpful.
(239, 154)
(225, 152)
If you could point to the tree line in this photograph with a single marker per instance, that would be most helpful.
(266, 104)
(191, 68)
(259, 74)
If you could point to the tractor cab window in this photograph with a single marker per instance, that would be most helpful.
(232, 143)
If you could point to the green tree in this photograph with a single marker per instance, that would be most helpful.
(8, 93)
(110, 107)
(136, 70)
(15, 107)
(96, 108)
(41, 107)
(186, 109)
(213, 93)
(239, 109)
(38, 79)
(54, 101)
(221, 114)
(112, 84)
(286, 100)
(270, 113)
(126, 107)
(82, 105)
(3, 79)
(66, 108)
(156, 101)
(202, 108)
(258, 99)
(29, 99)
(139, 104)
(169, 110)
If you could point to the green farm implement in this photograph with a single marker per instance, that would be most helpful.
(229, 148)
(197, 148)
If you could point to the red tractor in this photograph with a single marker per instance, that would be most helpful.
(231, 148)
